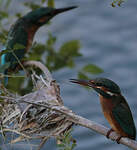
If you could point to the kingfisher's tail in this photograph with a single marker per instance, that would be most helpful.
(5, 81)
(5, 77)
(6, 70)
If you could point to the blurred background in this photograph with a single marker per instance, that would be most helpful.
(108, 39)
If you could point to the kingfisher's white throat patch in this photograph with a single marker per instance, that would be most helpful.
(110, 93)
(105, 90)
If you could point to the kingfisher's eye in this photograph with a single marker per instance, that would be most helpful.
(99, 84)
(42, 20)
(49, 14)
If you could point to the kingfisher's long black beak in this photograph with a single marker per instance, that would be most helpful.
(89, 83)
(81, 82)
(61, 10)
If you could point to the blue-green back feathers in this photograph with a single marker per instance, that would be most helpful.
(3, 59)
(123, 116)
(17, 35)
(2, 64)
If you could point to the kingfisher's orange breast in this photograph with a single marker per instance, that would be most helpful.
(107, 107)
(31, 32)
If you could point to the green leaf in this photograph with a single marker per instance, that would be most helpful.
(51, 40)
(43, 1)
(92, 69)
(81, 75)
(31, 5)
(7, 3)
(51, 3)
(38, 49)
(70, 63)
(18, 46)
(3, 14)
(70, 48)
(3, 67)
(113, 5)
(35, 57)
(3, 35)
(67, 142)
(18, 15)
(5, 51)
(61, 145)
(73, 145)
(117, 2)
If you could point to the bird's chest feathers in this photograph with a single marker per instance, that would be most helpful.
(107, 107)
(107, 104)
(31, 32)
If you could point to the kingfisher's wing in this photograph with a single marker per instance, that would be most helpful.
(123, 116)
(3, 59)
(3, 66)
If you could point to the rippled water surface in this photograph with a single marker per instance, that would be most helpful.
(109, 39)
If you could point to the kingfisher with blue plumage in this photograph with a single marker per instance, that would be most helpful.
(115, 107)
(22, 34)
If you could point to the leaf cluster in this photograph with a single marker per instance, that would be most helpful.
(53, 58)
(117, 2)
(67, 142)
(89, 69)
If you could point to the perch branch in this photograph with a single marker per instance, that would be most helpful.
(88, 124)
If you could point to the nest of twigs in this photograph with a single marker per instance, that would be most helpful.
(27, 120)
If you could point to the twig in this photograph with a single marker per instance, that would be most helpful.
(42, 143)
(18, 61)
(11, 76)
(15, 131)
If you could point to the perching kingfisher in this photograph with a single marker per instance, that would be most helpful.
(22, 33)
(115, 108)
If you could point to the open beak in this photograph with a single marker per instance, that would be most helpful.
(61, 10)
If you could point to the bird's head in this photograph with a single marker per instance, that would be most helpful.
(105, 87)
(42, 15)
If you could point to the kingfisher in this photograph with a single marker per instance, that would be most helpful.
(115, 108)
(22, 33)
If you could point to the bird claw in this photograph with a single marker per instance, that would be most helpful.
(108, 133)
(118, 139)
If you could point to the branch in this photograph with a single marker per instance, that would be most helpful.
(89, 124)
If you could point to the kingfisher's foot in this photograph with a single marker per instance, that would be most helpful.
(108, 133)
(118, 139)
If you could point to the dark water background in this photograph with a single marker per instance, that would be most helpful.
(109, 39)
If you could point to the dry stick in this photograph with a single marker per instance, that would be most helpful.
(42, 143)
(18, 61)
(15, 131)
(88, 124)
